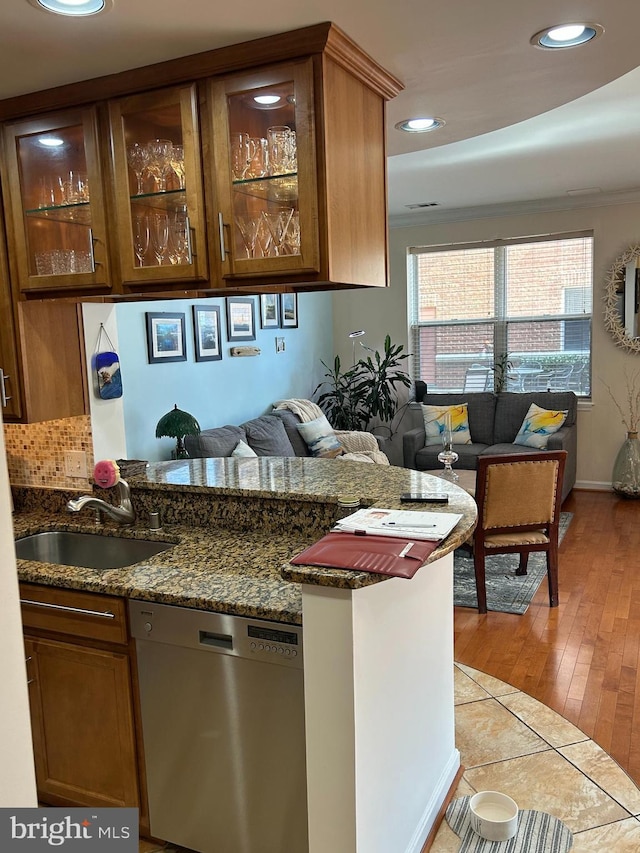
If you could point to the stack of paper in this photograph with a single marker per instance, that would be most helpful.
(405, 524)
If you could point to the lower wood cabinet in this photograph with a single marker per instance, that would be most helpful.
(83, 713)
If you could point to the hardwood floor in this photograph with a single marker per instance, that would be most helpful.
(582, 658)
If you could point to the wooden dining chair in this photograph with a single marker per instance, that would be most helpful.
(518, 497)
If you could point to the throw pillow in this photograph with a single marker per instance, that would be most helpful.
(267, 436)
(321, 438)
(243, 450)
(538, 425)
(218, 441)
(435, 418)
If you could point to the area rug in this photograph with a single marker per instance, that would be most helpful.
(506, 591)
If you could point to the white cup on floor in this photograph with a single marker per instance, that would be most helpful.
(493, 815)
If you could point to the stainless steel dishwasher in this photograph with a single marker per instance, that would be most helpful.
(223, 728)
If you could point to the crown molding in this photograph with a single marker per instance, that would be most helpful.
(433, 216)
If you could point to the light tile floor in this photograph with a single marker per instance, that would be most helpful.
(510, 742)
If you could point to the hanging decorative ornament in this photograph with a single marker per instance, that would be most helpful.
(106, 365)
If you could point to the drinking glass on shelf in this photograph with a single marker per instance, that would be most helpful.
(278, 223)
(259, 158)
(159, 235)
(279, 138)
(177, 163)
(291, 245)
(140, 238)
(264, 238)
(239, 155)
(159, 165)
(448, 455)
(76, 188)
(138, 160)
(179, 247)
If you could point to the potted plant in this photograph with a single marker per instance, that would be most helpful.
(366, 392)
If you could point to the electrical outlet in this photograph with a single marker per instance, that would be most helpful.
(75, 463)
(279, 344)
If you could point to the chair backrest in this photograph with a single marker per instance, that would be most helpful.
(477, 379)
(519, 491)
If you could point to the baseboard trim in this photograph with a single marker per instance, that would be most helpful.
(435, 805)
(592, 486)
(443, 808)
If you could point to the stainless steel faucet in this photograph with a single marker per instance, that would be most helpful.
(123, 513)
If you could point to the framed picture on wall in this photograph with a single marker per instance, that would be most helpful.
(288, 310)
(206, 329)
(241, 318)
(166, 339)
(269, 311)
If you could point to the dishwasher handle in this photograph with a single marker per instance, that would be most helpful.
(219, 641)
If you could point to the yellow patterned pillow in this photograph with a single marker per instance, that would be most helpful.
(538, 425)
(435, 418)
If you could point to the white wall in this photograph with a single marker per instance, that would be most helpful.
(17, 775)
(228, 391)
(615, 227)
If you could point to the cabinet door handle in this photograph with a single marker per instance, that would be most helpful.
(92, 240)
(105, 614)
(223, 251)
(4, 397)
(29, 680)
(191, 233)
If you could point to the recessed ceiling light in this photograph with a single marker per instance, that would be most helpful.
(73, 7)
(419, 125)
(566, 35)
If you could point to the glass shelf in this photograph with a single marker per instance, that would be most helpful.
(169, 201)
(78, 213)
(275, 188)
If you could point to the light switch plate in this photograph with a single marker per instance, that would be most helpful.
(75, 463)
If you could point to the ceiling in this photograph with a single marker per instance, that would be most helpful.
(522, 124)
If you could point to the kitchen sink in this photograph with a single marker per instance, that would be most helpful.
(89, 550)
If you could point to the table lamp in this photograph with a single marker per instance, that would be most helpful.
(176, 424)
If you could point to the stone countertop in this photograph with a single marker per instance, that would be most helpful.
(237, 561)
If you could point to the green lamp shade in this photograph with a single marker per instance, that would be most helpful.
(176, 424)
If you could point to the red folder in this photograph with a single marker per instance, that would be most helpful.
(368, 553)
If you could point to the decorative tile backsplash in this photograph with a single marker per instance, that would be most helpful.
(35, 452)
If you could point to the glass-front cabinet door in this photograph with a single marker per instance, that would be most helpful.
(158, 186)
(263, 150)
(55, 208)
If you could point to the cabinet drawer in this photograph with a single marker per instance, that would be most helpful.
(78, 614)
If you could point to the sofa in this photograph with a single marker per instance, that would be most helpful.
(494, 421)
(277, 434)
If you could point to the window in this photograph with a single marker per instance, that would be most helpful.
(528, 298)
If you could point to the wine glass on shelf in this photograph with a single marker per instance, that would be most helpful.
(248, 226)
(160, 236)
(278, 223)
(448, 455)
(176, 162)
(159, 165)
(264, 238)
(140, 238)
(138, 160)
(179, 241)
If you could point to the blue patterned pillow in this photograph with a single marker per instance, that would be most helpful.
(320, 438)
(538, 425)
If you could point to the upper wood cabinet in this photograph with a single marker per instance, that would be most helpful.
(260, 167)
(10, 403)
(54, 204)
(157, 171)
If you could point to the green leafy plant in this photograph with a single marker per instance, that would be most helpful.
(501, 367)
(365, 392)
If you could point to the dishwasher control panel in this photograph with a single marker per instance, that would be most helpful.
(218, 633)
